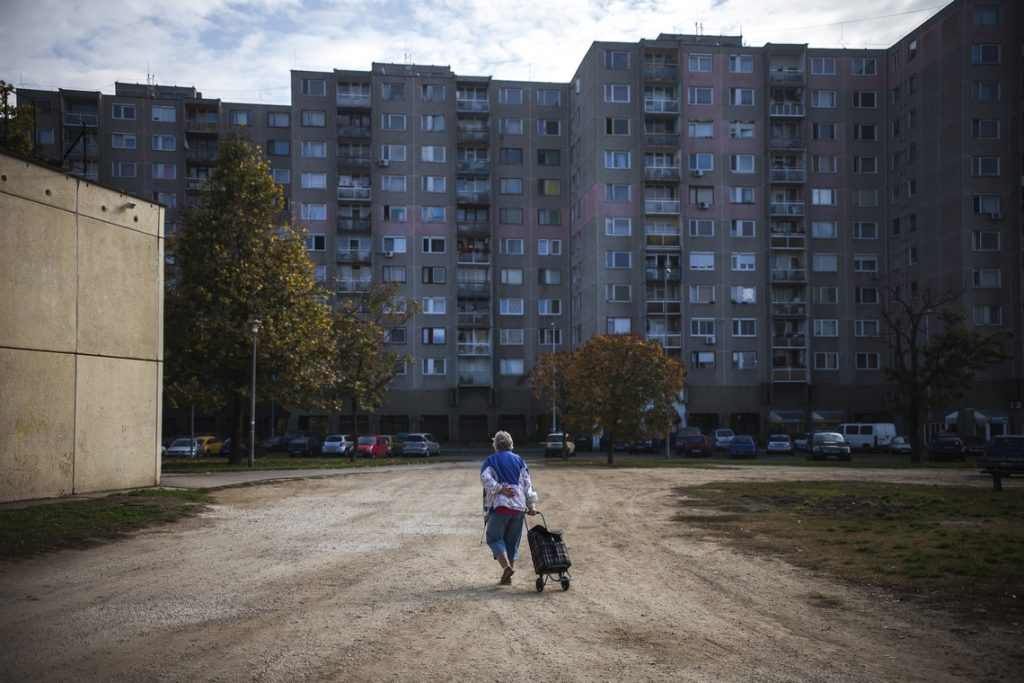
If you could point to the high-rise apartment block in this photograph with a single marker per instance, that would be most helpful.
(753, 209)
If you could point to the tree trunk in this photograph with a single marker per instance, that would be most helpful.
(237, 429)
(916, 437)
(610, 451)
(355, 431)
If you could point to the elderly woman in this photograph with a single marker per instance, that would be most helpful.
(508, 494)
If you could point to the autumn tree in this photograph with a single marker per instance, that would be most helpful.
(234, 261)
(623, 385)
(548, 387)
(934, 356)
(363, 365)
(16, 123)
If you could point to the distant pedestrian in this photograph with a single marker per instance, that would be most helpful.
(508, 495)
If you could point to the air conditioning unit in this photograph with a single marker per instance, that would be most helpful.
(995, 215)
(698, 173)
(383, 163)
(388, 254)
(1016, 405)
(703, 205)
(709, 340)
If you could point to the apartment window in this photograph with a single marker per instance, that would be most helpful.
(912, 256)
(614, 92)
(618, 293)
(312, 149)
(826, 360)
(433, 214)
(744, 360)
(314, 118)
(433, 245)
(985, 129)
(702, 260)
(510, 336)
(618, 259)
(824, 196)
(313, 211)
(277, 119)
(391, 183)
(434, 366)
(825, 263)
(701, 129)
(865, 196)
(743, 262)
(702, 327)
(433, 275)
(432, 123)
(988, 314)
(826, 295)
(741, 130)
(700, 63)
(510, 306)
(510, 216)
(702, 162)
(549, 98)
(744, 327)
(547, 247)
(165, 172)
(986, 91)
(741, 97)
(394, 213)
(984, 166)
(124, 169)
(823, 163)
(314, 87)
(865, 99)
(432, 93)
(123, 112)
(511, 276)
(743, 294)
(866, 295)
(824, 131)
(45, 136)
(616, 126)
(700, 95)
(510, 95)
(702, 359)
(741, 195)
(547, 187)
(549, 157)
(989, 204)
(864, 66)
(164, 113)
(743, 228)
(393, 274)
(510, 185)
(393, 152)
(395, 245)
(865, 263)
(549, 217)
(392, 121)
(911, 50)
(823, 66)
(168, 199)
(510, 156)
(865, 132)
(510, 126)
(704, 227)
(281, 176)
(433, 336)
(315, 181)
(823, 99)
(702, 294)
(824, 230)
(826, 328)
(868, 361)
(741, 64)
(549, 276)
(549, 307)
(614, 59)
(865, 164)
(865, 230)
(742, 163)
(616, 193)
(618, 227)
(124, 140)
(434, 305)
(985, 54)
(618, 325)
(988, 278)
(615, 159)
(985, 240)
(512, 246)
(434, 183)
(549, 127)
(436, 154)
(985, 15)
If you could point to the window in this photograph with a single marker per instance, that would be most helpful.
(313, 211)
(823, 163)
(823, 66)
(826, 328)
(434, 366)
(549, 217)
(824, 230)
(395, 245)
(549, 276)
(393, 152)
(618, 227)
(436, 154)
(988, 314)
(123, 112)
(911, 50)
(826, 360)
(614, 59)
(510, 95)
(741, 195)
(549, 157)
(165, 172)
(433, 275)
(547, 187)
(510, 185)
(282, 176)
(511, 306)
(45, 136)
(391, 183)
(616, 126)
(863, 66)
(865, 196)
(434, 183)
(510, 216)
(434, 305)
(511, 367)
(392, 121)
(510, 156)
(865, 131)
(700, 95)
(865, 230)
(824, 131)
(989, 204)
(702, 294)
(865, 164)
(744, 360)
(702, 162)
(510, 336)
(277, 119)
(314, 118)
(985, 240)
(700, 63)
(279, 148)
(618, 259)
(433, 245)
(866, 295)
(314, 87)
(985, 15)
(432, 336)
(825, 263)
(826, 295)
(702, 359)
(743, 294)
(985, 129)
(701, 129)
(616, 193)
(984, 166)
(549, 98)
(618, 325)
(315, 241)
(615, 159)
(124, 140)
(741, 64)
(164, 113)
(312, 149)
(549, 127)
(614, 92)
(865, 263)
(510, 126)
(433, 214)
(702, 260)
(985, 54)
(824, 196)
(865, 99)
(988, 278)
(868, 361)
(511, 276)
(315, 181)
(823, 99)
(744, 327)
(618, 293)
(510, 245)
(549, 307)
(741, 97)
(741, 130)
(702, 327)
(743, 262)
(701, 227)
(549, 247)
(742, 163)
(432, 93)
(986, 91)
(394, 213)
(742, 228)
(124, 169)
(432, 123)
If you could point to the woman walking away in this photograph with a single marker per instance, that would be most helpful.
(508, 494)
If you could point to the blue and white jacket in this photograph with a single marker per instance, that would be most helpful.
(505, 468)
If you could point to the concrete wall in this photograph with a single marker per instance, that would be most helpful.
(81, 335)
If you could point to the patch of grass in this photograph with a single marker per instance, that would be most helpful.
(961, 547)
(219, 464)
(54, 525)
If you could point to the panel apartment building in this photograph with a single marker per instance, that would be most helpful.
(751, 208)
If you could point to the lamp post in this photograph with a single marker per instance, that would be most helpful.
(254, 327)
(553, 380)
(668, 274)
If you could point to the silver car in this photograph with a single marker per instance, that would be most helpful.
(421, 443)
(190, 448)
(338, 444)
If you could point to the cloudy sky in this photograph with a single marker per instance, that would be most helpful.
(243, 50)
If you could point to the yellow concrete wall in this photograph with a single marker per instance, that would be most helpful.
(81, 335)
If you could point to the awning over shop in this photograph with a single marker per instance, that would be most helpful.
(835, 416)
(788, 417)
(954, 417)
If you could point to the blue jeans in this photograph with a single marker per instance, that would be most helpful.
(504, 533)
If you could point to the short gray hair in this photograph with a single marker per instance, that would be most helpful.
(502, 441)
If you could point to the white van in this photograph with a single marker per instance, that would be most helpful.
(868, 436)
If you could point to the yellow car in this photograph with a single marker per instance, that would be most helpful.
(210, 445)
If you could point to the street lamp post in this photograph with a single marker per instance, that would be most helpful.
(254, 327)
(553, 380)
(668, 274)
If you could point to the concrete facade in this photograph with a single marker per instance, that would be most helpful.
(81, 335)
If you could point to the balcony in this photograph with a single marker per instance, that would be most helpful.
(352, 193)
(353, 131)
(789, 275)
(353, 286)
(665, 207)
(785, 142)
(195, 126)
(662, 173)
(348, 161)
(789, 309)
(195, 184)
(662, 139)
(473, 257)
(786, 109)
(360, 100)
(661, 72)
(663, 274)
(794, 240)
(76, 120)
(473, 318)
(472, 288)
(789, 341)
(354, 224)
(473, 166)
(353, 255)
(787, 208)
(474, 378)
(206, 156)
(473, 349)
(669, 341)
(466, 134)
(472, 106)
(787, 175)
(657, 105)
(473, 228)
(789, 374)
(473, 196)
(787, 76)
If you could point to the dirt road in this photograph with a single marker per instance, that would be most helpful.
(382, 577)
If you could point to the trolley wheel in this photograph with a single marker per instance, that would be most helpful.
(540, 584)
(565, 584)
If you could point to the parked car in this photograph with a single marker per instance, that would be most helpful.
(829, 446)
(1004, 455)
(185, 447)
(373, 446)
(974, 446)
(742, 447)
(225, 448)
(680, 437)
(421, 443)
(946, 448)
(721, 438)
(279, 443)
(583, 442)
(867, 436)
(779, 443)
(304, 445)
(899, 444)
(802, 442)
(338, 444)
(396, 446)
(553, 445)
(695, 445)
(210, 444)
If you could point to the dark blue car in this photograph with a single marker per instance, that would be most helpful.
(742, 447)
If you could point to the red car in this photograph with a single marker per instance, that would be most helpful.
(694, 445)
(373, 446)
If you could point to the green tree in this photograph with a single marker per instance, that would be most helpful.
(363, 365)
(234, 261)
(16, 123)
(624, 385)
(933, 357)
